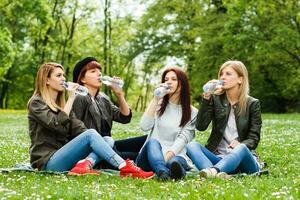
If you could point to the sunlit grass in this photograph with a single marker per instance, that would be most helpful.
(279, 147)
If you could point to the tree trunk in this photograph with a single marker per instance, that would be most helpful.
(142, 99)
(45, 41)
(107, 43)
(69, 38)
(144, 105)
(5, 89)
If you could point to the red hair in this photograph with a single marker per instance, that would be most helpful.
(90, 65)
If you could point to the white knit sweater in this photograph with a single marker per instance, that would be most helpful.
(167, 131)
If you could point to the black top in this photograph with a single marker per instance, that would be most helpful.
(99, 116)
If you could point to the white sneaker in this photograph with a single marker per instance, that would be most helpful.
(223, 175)
(208, 172)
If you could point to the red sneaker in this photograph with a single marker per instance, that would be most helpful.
(130, 169)
(82, 168)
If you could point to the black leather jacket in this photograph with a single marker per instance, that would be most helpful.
(217, 110)
(91, 117)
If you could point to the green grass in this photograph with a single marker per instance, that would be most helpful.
(279, 147)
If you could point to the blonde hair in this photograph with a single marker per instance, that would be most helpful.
(241, 70)
(42, 89)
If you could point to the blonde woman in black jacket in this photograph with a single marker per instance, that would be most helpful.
(236, 125)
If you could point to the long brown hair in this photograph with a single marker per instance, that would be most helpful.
(42, 89)
(241, 70)
(185, 97)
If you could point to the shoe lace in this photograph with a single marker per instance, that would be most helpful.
(133, 165)
(89, 165)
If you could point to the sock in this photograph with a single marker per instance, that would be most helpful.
(123, 164)
(91, 160)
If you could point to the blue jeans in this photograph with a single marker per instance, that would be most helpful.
(239, 160)
(89, 144)
(151, 159)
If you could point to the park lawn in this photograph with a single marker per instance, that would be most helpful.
(279, 147)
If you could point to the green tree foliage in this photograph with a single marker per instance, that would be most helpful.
(204, 34)
(6, 53)
(199, 34)
(19, 18)
(36, 31)
(265, 36)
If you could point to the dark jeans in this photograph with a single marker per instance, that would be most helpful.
(151, 159)
(126, 148)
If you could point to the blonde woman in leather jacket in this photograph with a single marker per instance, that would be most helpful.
(236, 125)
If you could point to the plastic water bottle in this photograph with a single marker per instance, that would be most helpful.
(81, 90)
(161, 91)
(107, 80)
(212, 86)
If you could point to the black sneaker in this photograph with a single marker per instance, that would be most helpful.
(176, 171)
(163, 175)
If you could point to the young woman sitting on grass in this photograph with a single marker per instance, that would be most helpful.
(59, 141)
(96, 111)
(236, 124)
(169, 122)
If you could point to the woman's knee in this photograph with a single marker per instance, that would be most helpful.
(92, 134)
(153, 142)
(109, 140)
(191, 146)
(242, 149)
(153, 146)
